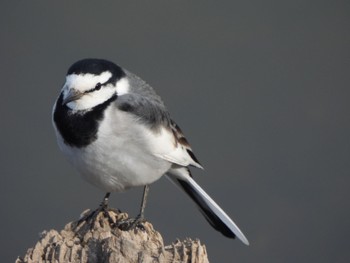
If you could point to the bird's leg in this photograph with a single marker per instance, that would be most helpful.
(143, 203)
(104, 203)
(104, 208)
(137, 222)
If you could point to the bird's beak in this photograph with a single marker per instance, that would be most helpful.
(72, 95)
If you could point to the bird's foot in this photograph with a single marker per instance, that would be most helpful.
(91, 217)
(131, 223)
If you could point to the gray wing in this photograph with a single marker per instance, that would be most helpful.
(169, 141)
(144, 103)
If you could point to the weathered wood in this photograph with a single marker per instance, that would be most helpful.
(103, 241)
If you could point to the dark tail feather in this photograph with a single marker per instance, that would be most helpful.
(216, 217)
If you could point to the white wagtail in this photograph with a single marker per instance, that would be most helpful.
(116, 131)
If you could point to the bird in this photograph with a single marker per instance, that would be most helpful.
(117, 132)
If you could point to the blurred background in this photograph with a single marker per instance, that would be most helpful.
(260, 88)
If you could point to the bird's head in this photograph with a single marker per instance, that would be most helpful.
(90, 82)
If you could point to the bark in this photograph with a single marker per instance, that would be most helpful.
(104, 240)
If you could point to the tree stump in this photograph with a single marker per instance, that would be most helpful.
(104, 240)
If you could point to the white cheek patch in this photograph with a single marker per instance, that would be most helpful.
(87, 82)
(90, 100)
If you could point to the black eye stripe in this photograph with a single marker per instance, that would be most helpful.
(97, 87)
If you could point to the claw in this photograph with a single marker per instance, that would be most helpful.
(132, 223)
(90, 218)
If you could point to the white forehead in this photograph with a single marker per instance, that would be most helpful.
(87, 81)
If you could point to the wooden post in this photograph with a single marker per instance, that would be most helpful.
(103, 241)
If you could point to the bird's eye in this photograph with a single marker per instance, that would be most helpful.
(98, 86)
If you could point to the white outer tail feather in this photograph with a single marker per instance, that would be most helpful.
(183, 175)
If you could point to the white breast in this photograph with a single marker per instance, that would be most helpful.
(121, 157)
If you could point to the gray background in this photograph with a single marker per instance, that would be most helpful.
(260, 88)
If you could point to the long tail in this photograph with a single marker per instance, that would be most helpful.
(207, 206)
